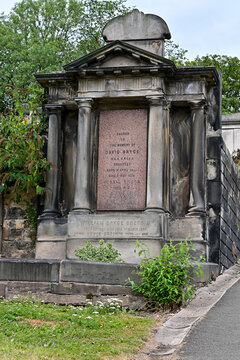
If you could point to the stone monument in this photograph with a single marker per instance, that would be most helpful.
(129, 134)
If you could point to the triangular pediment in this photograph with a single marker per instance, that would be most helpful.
(118, 55)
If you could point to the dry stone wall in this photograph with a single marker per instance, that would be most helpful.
(17, 237)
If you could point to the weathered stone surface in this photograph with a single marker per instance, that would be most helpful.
(29, 270)
(209, 270)
(130, 87)
(122, 160)
(64, 288)
(51, 238)
(2, 290)
(192, 227)
(179, 165)
(96, 272)
(158, 155)
(231, 131)
(230, 214)
(51, 206)
(120, 225)
(120, 229)
(17, 238)
(126, 247)
(52, 229)
(51, 249)
(114, 290)
(136, 26)
(82, 187)
(25, 287)
(184, 139)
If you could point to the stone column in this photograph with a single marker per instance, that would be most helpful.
(82, 194)
(197, 160)
(51, 206)
(157, 154)
(166, 154)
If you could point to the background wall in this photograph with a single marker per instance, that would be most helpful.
(230, 210)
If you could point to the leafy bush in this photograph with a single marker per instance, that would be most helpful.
(22, 162)
(105, 252)
(168, 278)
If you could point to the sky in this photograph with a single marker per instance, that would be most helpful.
(201, 27)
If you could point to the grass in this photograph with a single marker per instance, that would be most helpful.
(32, 330)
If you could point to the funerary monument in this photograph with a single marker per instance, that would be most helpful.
(136, 145)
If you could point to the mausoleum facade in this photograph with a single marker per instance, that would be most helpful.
(136, 147)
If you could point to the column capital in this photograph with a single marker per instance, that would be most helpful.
(157, 100)
(197, 104)
(84, 102)
(53, 108)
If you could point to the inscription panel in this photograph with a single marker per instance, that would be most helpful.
(113, 227)
(122, 160)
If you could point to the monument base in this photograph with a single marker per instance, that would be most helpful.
(194, 229)
(51, 238)
(122, 230)
(59, 238)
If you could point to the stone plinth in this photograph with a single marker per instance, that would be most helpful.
(120, 229)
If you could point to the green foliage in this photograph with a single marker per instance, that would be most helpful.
(39, 35)
(22, 162)
(230, 69)
(175, 53)
(33, 330)
(32, 219)
(236, 158)
(31, 216)
(105, 252)
(167, 278)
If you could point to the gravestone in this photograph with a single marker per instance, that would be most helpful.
(127, 134)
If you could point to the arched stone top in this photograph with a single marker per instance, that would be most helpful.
(136, 26)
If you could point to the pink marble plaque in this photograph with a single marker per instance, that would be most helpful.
(122, 160)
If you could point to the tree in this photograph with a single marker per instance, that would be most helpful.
(175, 53)
(39, 35)
(22, 162)
(230, 69)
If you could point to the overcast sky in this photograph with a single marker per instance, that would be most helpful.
(201, 27)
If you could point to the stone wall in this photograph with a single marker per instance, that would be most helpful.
(75, 282)
(231, 131)
(230, 210)
(18, 240)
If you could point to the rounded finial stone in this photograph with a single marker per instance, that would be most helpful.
(136, 25)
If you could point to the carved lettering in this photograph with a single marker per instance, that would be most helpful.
(122, 160)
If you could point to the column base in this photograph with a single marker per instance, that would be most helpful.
(195, 211)
(155, 210)
(80, 211)
(50, 214)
